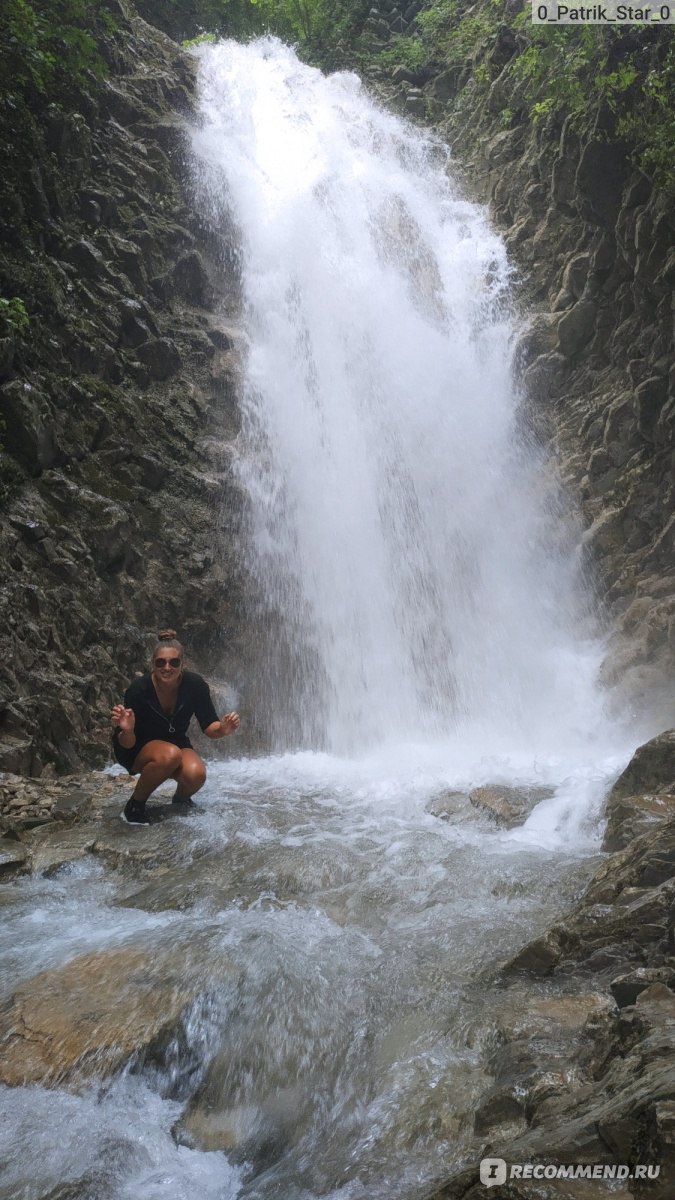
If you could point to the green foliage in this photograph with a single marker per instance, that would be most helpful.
(47, 46)
(434, 22)
(651, 125)
(317, 24)
(577, 72)
(302, 18)
(557, 68)
(199, 40)
(455, 31)
(13, 314)
(471, 33)
(403, 52)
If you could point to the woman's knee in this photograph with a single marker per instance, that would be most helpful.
(194, 771)
(165, 756)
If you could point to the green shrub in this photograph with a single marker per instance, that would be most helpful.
(13, 315)
(46, 45)
(403, 51)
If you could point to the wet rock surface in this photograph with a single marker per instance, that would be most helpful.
(643, 797)
(508, 806)
(115, 413)
(583, 1056)
(102, 1010)
(91, 1015)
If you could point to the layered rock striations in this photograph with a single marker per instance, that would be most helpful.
(117, 404)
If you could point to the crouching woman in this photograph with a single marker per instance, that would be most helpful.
(150, 729)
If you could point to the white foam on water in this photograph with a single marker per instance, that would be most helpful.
(116, 1144)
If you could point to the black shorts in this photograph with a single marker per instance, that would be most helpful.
(125, 757)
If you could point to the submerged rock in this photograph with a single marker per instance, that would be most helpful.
(92, 1014)
(447, 804)
(508, 806)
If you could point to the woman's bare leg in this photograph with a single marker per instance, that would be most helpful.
(190, 777)
(156, 762)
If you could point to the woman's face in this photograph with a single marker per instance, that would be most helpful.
(167, 664)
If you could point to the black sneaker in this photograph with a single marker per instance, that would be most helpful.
(185, 805)
(135, 814)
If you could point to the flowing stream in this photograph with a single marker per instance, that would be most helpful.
(424, 629)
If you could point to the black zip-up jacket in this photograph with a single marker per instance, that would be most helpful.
(194, 699)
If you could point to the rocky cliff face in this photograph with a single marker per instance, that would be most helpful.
(595, 240)
(118, 403)
(592, 240)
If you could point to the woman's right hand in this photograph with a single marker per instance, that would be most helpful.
(124, 718)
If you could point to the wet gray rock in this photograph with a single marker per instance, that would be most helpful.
(12, 857)
(626, 988)
(84, 1020)
(161, 357)
(190, 279)
(643, 796)
(30, 434)
(88, 259)
(110, 392)
(508, 806)
(447, 805)
(205, 881)
(54, 846)
(415, 105)
(576, 327)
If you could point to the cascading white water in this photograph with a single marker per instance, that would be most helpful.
(402, 531)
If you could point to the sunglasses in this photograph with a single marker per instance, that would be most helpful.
(167, 662)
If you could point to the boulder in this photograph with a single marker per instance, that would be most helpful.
(92, 1014)
(576, 327)
(626, 988)
(189, 278)
(644, 794)
(624, 919)
(650, 397)
(415, 106)
(161, 357)
(88, 260)
(575, 274)
(506, 805)
(53, 846)
(12, 857)
(29, 434)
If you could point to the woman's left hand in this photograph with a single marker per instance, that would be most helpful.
(230, 723)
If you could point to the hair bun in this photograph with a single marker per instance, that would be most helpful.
(166, 635)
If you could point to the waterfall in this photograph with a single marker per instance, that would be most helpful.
(416, 576)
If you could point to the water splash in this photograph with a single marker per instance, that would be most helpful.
(406, 538)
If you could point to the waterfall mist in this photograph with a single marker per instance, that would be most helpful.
(418, 578)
